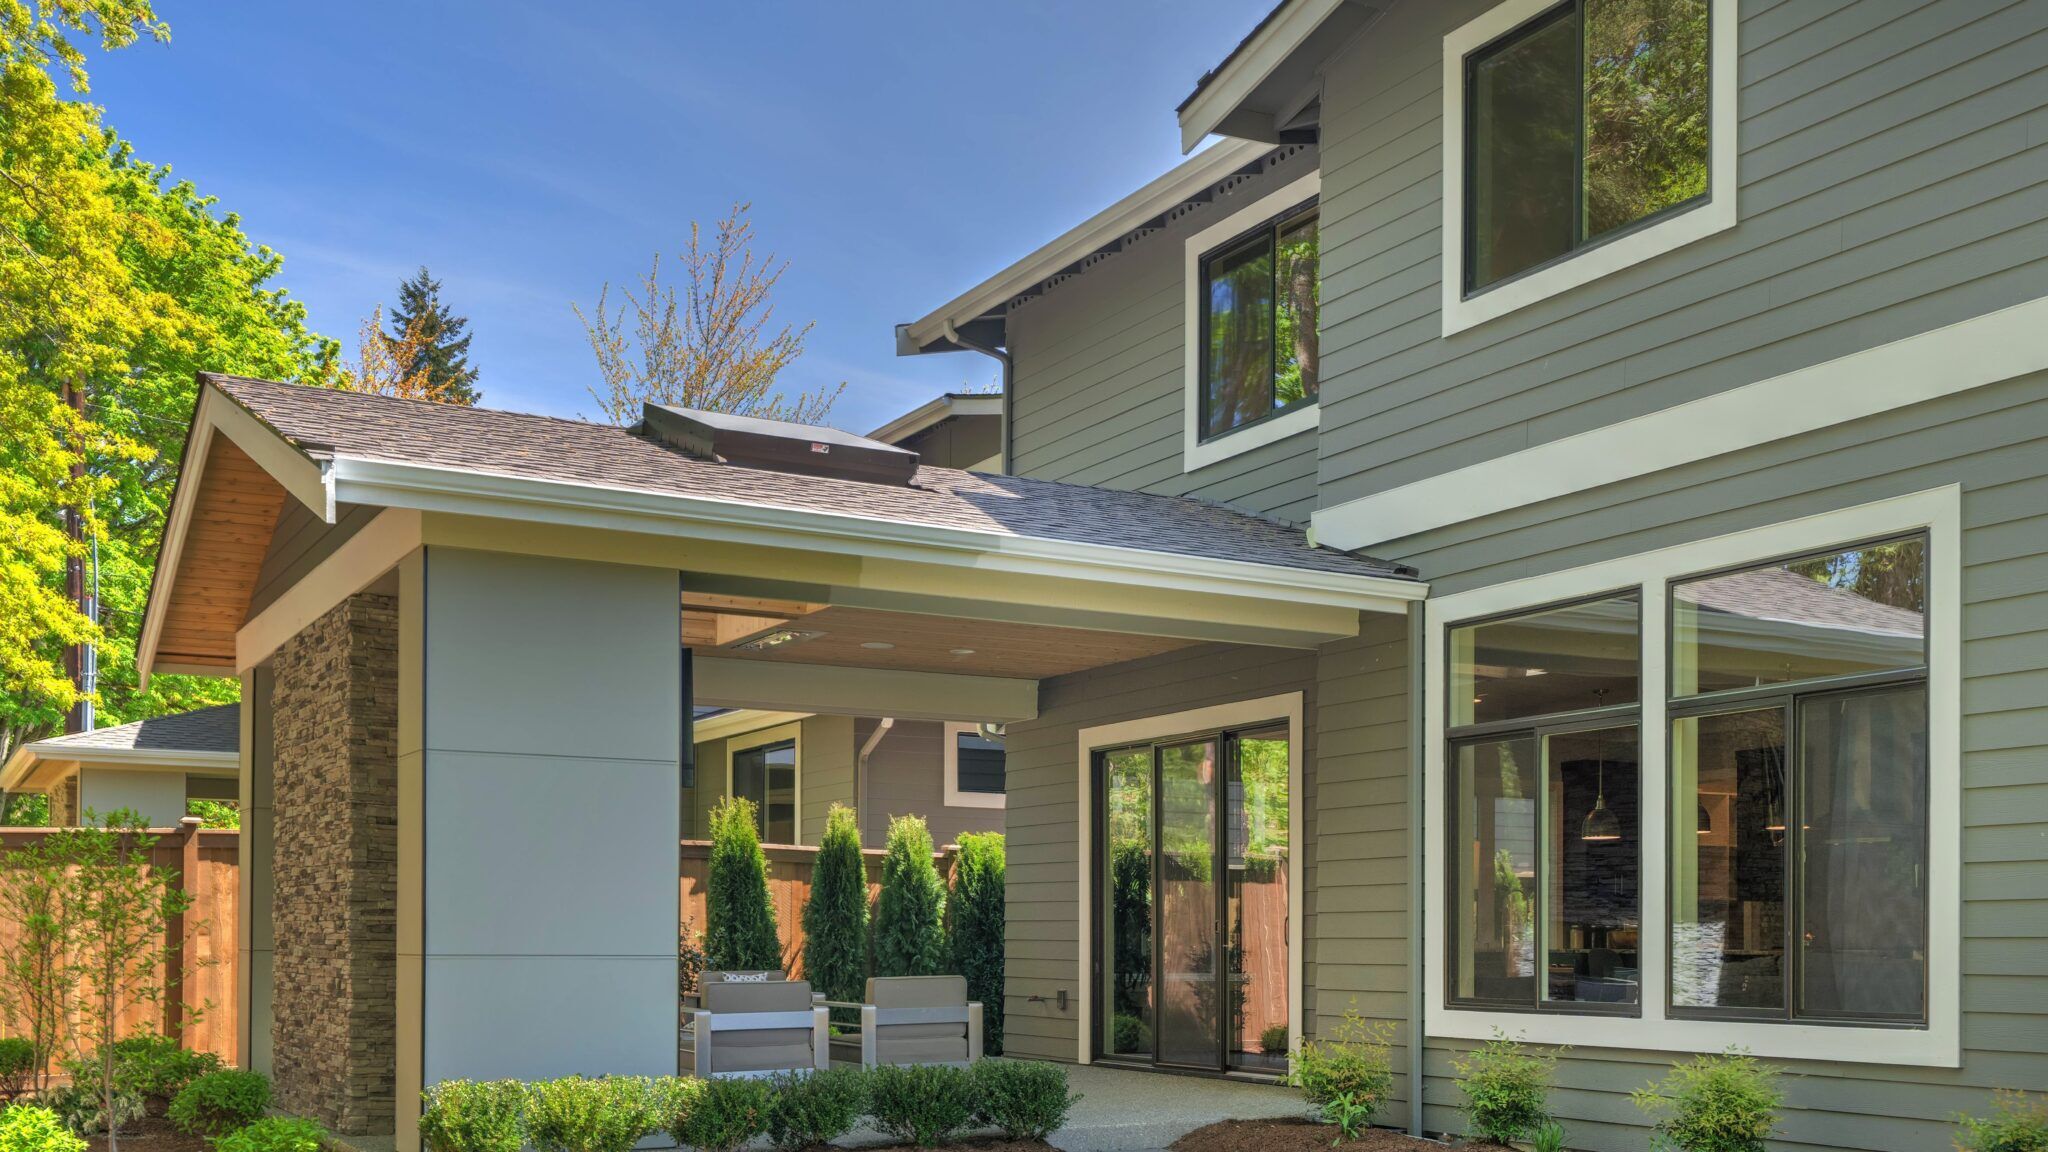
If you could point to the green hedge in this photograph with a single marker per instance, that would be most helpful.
(976, 909)
(836, 915)
(739, 917)
(910, 915)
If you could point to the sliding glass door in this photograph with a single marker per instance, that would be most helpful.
(1193, 841)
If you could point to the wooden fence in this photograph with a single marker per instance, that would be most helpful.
(206, 862)
(789, 887)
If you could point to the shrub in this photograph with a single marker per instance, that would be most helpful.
(83, 1108)
(220, 1102)
(672, 1098)
(725, 1114)
(836, 915)
(1027, 1101)
(977, 929)
(1725, 1103)
(817, 1108)
(1506, 1089)
(575, 1114)
(1353, 1069)
(473, 1116)
(275, 1134)
(690, 958)
(2018, 1123)
(739, 918)
(1549, 1138)
(1273, 1041)
(1130, 1033)
(17, 1065)
(923, 1104)
(150, 1066)
(27, 1128)
(910, 914)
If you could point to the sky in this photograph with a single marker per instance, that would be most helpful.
(895, 154)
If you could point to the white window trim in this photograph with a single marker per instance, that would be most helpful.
(1716, 214)
(761, 738)
(1286, 706)
(955, 798)
(1195, 453)
(1939, 513)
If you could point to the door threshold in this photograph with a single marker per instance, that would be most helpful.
(1238, 1074)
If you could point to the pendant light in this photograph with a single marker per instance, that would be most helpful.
(1601, 824)
(1706, 821)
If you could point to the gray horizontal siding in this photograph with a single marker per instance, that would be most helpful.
(1893, 179)
(1098, 377)
(1993, 442)
(299, 542)
(907, 777)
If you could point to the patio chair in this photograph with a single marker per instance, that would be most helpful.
(756, 1024)
(919, 1020)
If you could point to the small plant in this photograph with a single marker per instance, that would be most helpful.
(817, 1108)
(473, 1116)
(17, 1065)
(1027, 1101)
(975, 921)
(1725, 1103)
(153, 1067)
(910, 913)
(575, 1114)
(1273, 1041)
(83, 1108)
(739, 917)
(690, 958)
(1506, 1089)
(1548, 1138)
(275, 1134)
(923, 1104)
(1129, 1033)
(836, 914)
(2018, 1123)
(27, 1128)
(1354, 1065)
(725, 1114)
(220, 1102)
(1351, 1114)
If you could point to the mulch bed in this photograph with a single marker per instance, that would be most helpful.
(150, 1134)
(1305, 1136)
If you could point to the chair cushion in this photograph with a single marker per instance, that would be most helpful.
(917, 991)
(755, 977)
(728, 1057)
(892, 1047)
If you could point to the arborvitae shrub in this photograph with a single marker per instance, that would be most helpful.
(739, 918)
(910, 916)
(976, 909)
(836, 916)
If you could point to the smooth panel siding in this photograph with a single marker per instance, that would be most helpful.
(301, 541)
(907, 777)
(825, 773)
(1042, 951)
(1894, 179)
(1098, 377)
(1994, 443)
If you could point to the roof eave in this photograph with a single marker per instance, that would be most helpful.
(938, 411)
(1219, 103)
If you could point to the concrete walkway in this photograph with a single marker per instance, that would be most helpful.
(1126, 1111)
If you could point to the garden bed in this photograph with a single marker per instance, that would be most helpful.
(150, 1134)
(1305, 1136)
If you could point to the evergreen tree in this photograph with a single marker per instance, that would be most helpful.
(836, 916)
(432, 338)
(739, 918)
(977, 929)
(910, 915)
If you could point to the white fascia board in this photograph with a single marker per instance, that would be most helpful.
(1968, 354)
(22, 764)
(1207, 167)
(454, 490)
(739, 722)
(780, 685)
(944, 408)
(1269, 48)
(361, 560)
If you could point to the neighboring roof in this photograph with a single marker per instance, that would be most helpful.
(201, 738)
(1192, 181)
(326, 424)
(946, 407)
(1785, 596)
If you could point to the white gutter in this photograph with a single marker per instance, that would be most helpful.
(461, 491)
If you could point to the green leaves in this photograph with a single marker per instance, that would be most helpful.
(976, 912)
(1725, 1103)
(910, 932)
(739, 919)
(1506, 1089)
(836, 915)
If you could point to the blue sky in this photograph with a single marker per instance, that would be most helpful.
(895, 154)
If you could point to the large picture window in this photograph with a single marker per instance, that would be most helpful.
(1258, 315)
(1582, 123)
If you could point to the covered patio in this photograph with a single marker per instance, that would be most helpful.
(473, 643)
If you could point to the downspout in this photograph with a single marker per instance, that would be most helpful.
(860, 765)
(1418, 1030)
(1001, 356)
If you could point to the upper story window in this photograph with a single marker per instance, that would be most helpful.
(1259, 324)
(974, 767)
(1591, 124)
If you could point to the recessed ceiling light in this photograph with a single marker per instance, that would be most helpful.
(877, 645)
(963, 651)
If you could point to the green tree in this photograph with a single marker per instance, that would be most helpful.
(739, 918)
(976, 908)
(435, 341)
(836, 915)
(910, 914)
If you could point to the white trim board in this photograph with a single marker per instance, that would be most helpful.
(1196, 452)
(1956, 358)
(1716, 214)
(1239, 714)
(955, 798)
(1939, 512)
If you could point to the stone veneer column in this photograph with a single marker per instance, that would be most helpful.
(334, 708)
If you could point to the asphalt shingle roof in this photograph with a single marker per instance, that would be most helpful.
(1785, 595)
(326, 422)
(216, 729)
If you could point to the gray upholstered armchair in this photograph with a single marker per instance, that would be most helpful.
(756, 1024)
(919, 1020)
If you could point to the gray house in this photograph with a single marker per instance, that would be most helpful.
(1539, 528)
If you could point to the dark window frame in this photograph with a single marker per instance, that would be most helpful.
(1469, 70)
(960, 763)
(1267, 232)
(796, 768)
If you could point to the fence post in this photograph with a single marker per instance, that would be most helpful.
(177, 973)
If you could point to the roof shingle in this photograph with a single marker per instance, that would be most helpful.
(215, 729)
